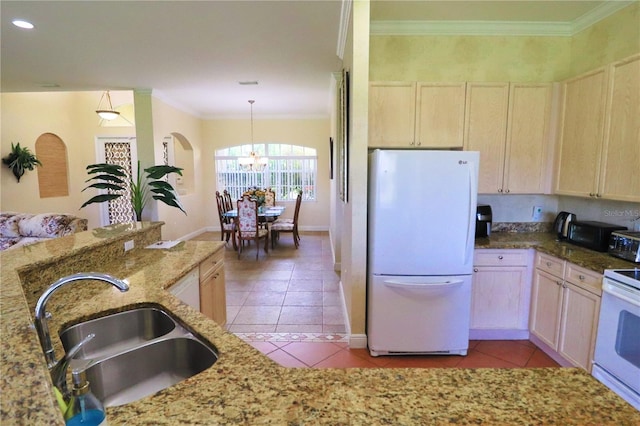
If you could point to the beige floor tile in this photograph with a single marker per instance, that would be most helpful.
(305, 285)
(258, 315)
(265, 298)
(303, 298)
(332, 315)
(301, 315)
(236, 298)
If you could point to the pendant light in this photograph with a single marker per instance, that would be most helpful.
(253, 161)
(107, 114)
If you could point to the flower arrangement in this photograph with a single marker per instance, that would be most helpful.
(256, 194)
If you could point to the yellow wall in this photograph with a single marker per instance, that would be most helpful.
(468, 58)
(69, 115)
(505, 58)
(167, 121)
(609, 40)
(313, 133)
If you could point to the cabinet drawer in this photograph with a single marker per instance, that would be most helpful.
(585, 278)
(483, 257)
(209, 264)
(550, 264)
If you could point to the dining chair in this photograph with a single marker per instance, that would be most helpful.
(269, 197)
(228, 203)
(287, 225)
(247, 225)
(269, 201)
(227, 225)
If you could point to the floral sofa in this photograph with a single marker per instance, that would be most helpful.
(19, 229)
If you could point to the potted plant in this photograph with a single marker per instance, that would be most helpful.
(114, 179)
(20, 159)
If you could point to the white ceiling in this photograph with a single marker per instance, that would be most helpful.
(192, 54)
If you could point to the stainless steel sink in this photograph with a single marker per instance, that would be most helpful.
(136, 353)
(117, 332)
(143, 371)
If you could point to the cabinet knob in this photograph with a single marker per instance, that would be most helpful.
(591, 194)
(507, 191)
(564, 286)
(500, 190)
(581, 277)
(559, 282)
(412, 143)
(549, 264)
(419, 143)
(500, 257)
(475, 269)
(598, 195)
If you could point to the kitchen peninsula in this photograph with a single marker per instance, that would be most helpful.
(244, 386)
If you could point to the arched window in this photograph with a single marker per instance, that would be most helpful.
(288, 169)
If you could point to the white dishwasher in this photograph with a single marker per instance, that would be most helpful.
(188, 289)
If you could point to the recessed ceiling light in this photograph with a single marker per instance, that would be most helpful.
(23, 24)
(248, 83)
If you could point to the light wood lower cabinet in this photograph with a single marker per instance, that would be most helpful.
(213, 301)
(500, 294)
(565, 305)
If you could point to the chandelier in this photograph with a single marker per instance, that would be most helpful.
(107, 114)
(253, 161)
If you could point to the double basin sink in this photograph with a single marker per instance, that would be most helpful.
(137, 353)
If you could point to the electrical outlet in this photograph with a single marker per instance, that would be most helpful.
(128, 245)
(537, 212)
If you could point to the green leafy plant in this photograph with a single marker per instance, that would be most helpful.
(114, 178)
(20, 159)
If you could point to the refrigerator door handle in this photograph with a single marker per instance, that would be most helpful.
(471, 214)
(424, 285)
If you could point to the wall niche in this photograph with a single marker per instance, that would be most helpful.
(53, 175)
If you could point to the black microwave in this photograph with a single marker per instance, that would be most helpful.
(592, 235)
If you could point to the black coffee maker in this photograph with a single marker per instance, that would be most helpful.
(484, 218)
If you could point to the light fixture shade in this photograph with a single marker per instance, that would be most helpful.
(107, 113)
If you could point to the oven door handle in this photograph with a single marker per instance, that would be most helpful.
(623, 293)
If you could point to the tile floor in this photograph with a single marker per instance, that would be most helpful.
(286, 304)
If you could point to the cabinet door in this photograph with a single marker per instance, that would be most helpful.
(546, 305)
(527, 142)
(621, 154)
(213, 301)
(485, 131)
(583, 112)
(579, 324)
(497, 299)
(440, 115)
(392, 107)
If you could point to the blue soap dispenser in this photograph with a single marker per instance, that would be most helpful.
(84, 408)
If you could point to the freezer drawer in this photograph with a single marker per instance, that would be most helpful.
(428, 315)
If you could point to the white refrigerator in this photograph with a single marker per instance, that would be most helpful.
(421, 231)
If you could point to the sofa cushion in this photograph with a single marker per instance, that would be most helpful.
(9, 222)
(50, 225)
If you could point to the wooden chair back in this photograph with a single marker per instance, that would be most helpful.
(228, 203)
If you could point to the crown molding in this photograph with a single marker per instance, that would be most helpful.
(498, 28)
(345, 14)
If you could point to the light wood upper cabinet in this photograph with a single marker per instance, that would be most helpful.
(440, 115)
(527, 157)
(599, 152)
(509, 124)
(416, 115)
(392, 114)
(620, 172)
(582, 130)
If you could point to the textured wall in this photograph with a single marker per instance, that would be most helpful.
(469, 58)
(609, 40)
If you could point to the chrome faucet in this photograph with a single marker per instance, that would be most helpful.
(41, 315)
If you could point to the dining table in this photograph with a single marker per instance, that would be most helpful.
(263, 212)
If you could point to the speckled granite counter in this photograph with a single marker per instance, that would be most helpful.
(245, 387)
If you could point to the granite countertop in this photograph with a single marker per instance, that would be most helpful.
(246, 387)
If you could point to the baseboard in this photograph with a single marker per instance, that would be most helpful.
(498, 334)
(358, 341)
(345, 312)
(198, 232)
(313, 228)
(549, 351)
